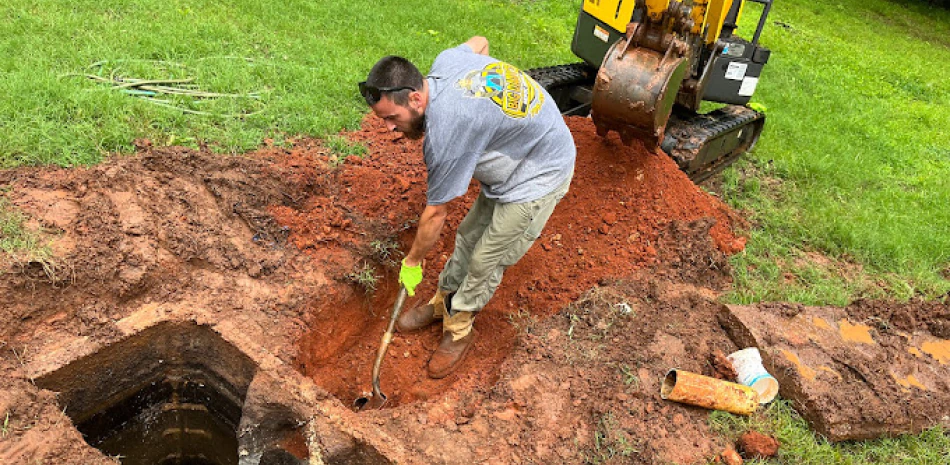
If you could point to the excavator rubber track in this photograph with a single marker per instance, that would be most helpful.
(563, 75)
(701, 144)
(570, 85)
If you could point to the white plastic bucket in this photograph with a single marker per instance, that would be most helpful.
(750, 372)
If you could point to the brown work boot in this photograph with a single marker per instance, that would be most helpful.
(449, 354)
(420, 316)
(416, 318)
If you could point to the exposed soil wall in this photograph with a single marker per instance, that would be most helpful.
(871, 369)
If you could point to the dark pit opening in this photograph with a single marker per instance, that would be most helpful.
(170, 395)
(182, 417)
(178, 393)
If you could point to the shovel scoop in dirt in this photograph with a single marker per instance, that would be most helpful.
(377, 399)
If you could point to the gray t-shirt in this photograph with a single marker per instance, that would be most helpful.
(490, 121)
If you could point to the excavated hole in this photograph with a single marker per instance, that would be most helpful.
(181, 417)
(339, 350)
(170, 395)
(179, 394)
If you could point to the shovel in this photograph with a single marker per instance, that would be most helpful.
(377, 400)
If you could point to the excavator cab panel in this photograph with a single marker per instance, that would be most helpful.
(600, 24)
(734, 74)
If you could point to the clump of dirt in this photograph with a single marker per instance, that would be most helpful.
(30, 419)
(729, 456)
(722, 367)
(755, 445)
(786, 309)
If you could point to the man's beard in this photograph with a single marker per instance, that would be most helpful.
(417, 125)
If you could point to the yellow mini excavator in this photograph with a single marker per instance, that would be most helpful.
(648, 64)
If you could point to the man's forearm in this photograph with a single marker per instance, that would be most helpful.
(478, 44)
(430, 228)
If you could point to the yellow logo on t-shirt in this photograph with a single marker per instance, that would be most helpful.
(516, 93)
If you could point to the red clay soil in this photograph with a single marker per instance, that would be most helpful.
(582, 386)
(622, 202)
(171, 229)
(722, 367)
(179, 229)
(755, 445)
(730, 457)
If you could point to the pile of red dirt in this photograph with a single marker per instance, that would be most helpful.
(627, 208)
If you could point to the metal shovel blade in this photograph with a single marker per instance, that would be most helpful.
(371, 402)
(377, 400)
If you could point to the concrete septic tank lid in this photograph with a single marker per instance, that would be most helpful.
(848, 379)
(216, 374)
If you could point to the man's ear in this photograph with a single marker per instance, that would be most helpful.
(416, 99)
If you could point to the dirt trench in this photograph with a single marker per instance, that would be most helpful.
(265, 249)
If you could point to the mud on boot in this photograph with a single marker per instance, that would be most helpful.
(421, 316)
(450, 354)
(416, 318)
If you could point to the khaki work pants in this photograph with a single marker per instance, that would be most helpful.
(492, 237)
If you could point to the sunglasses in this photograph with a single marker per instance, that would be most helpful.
(373, 94)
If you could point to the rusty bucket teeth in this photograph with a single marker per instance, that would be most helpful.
(626, 137)
(635, 92)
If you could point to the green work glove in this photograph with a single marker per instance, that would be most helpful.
(410, 277)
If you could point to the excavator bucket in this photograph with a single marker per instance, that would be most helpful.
(634, 93)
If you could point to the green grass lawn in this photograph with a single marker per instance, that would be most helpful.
(302, 57)
(848, 190)
(849, 186)
(800, 446)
